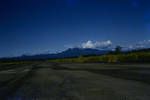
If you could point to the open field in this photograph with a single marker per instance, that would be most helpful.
(74, 81)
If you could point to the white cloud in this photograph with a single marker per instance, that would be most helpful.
(140, 45)
(143, 44)
(108, 45)
(97, 44)
(88, 44)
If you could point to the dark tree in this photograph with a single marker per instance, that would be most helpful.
(118, 49)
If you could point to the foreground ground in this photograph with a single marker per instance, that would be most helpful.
(51, 81)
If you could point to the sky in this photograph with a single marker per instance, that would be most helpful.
(42, 26)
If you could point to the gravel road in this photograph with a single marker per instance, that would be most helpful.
(46, 82)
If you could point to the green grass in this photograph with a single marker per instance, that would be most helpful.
(137, 57)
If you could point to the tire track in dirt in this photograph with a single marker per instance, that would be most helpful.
(13, 84)
(48, 84)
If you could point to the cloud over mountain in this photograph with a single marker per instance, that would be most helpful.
(97, 44)
(108, 45)
(139, 45)
(143, 44)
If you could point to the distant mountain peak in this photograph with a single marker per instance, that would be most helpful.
(70, 52)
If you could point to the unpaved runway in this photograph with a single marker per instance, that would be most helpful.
(48, 83)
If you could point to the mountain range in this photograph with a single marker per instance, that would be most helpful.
(71, 52)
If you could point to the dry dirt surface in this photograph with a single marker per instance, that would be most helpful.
(52, 81)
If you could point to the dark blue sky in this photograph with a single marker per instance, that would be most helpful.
(36, 26)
